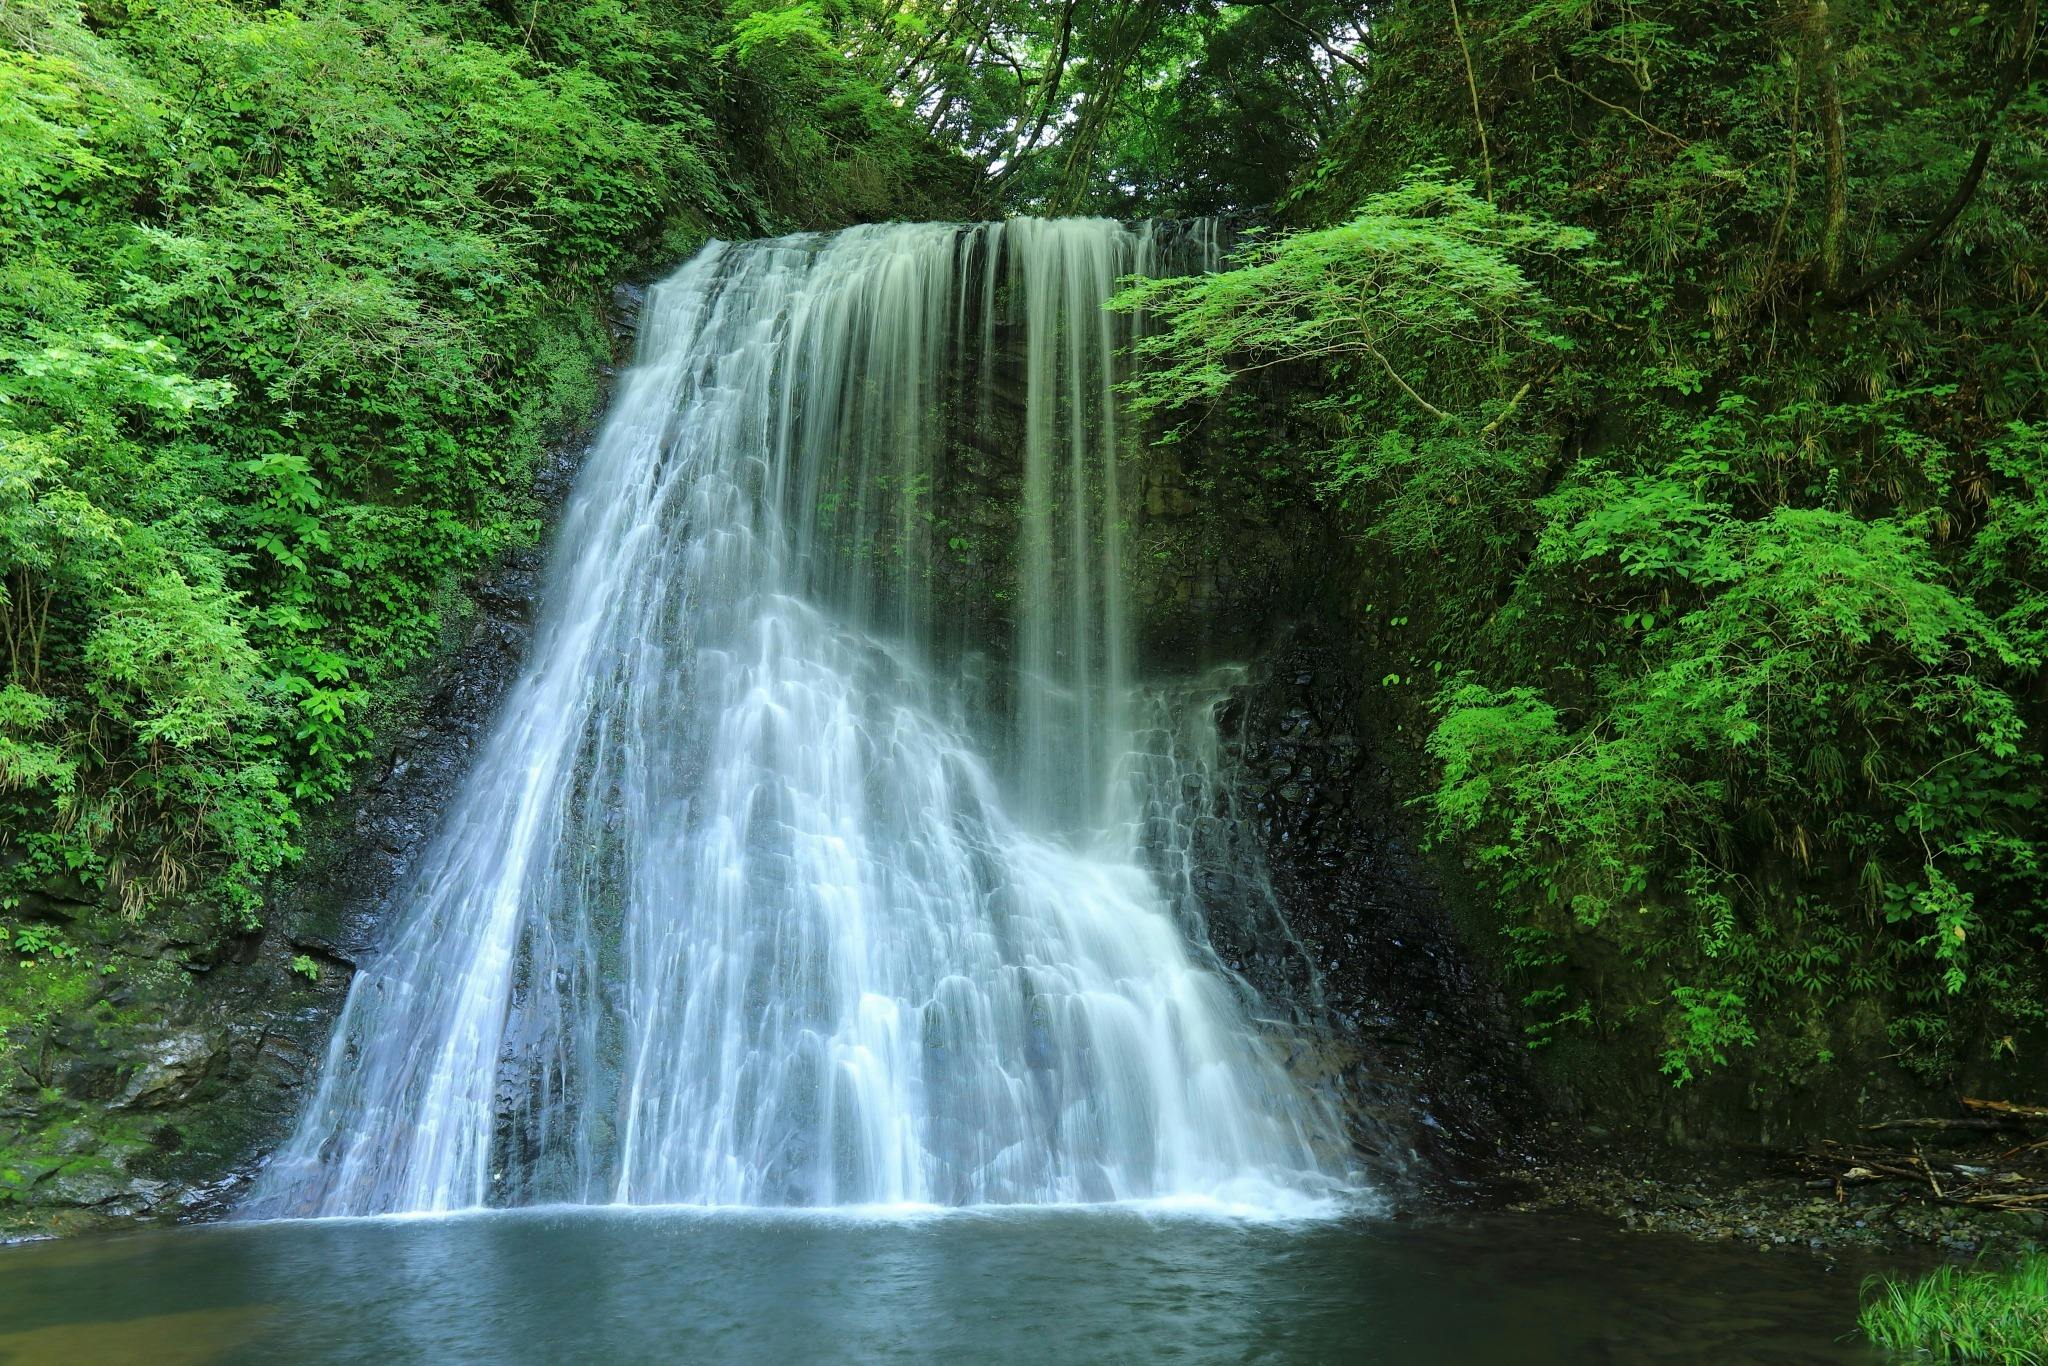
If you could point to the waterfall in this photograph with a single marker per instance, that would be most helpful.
(752, 898)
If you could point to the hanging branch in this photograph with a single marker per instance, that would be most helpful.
(2023, 49)
(1562, 79)
(1472, 86)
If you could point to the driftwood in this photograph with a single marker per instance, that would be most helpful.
(2013, 1179)
(1984, 1114)
(2007, 1109)
(1973, 1185)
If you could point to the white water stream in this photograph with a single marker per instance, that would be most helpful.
(746, 901)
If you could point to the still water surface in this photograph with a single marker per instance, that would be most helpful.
(975, 1288)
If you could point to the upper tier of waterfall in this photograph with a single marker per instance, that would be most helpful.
(749, 899)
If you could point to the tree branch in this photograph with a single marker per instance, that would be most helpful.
(1406, 388)
(1973, 176)
(1284, 17)
(1834, 149)
(1472, 85)
(1052, 79)
(1530, 387)
(1562, 79)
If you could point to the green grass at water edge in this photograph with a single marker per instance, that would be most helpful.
(1958, 1314)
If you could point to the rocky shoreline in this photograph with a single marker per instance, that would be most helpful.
(1774, 1201)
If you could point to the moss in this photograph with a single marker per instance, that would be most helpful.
(38, 991)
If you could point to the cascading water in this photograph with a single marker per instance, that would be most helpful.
(745, 902)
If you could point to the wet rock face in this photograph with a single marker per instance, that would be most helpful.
(1235, 563)
(169, 1070)
(1411, 1034)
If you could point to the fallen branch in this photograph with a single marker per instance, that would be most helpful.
(1969, 1124)
(1933, 1185)
(2006, 1107)
(1976, 1187)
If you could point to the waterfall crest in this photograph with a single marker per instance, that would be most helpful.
(751, 899)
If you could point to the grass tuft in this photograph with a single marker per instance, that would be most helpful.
(1964, 1315)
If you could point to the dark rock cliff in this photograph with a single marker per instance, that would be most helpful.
(1406, 1023)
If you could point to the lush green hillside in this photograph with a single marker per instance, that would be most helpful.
(290, 299)
(1679, 369)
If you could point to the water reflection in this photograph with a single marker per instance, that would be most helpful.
(1023, 1286)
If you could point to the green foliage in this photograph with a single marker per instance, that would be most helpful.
(1958, 1315)
(1727, 533)
(289, 299)
(1139, 106)
(33, 941)
(829, 89)
(1423, 271)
